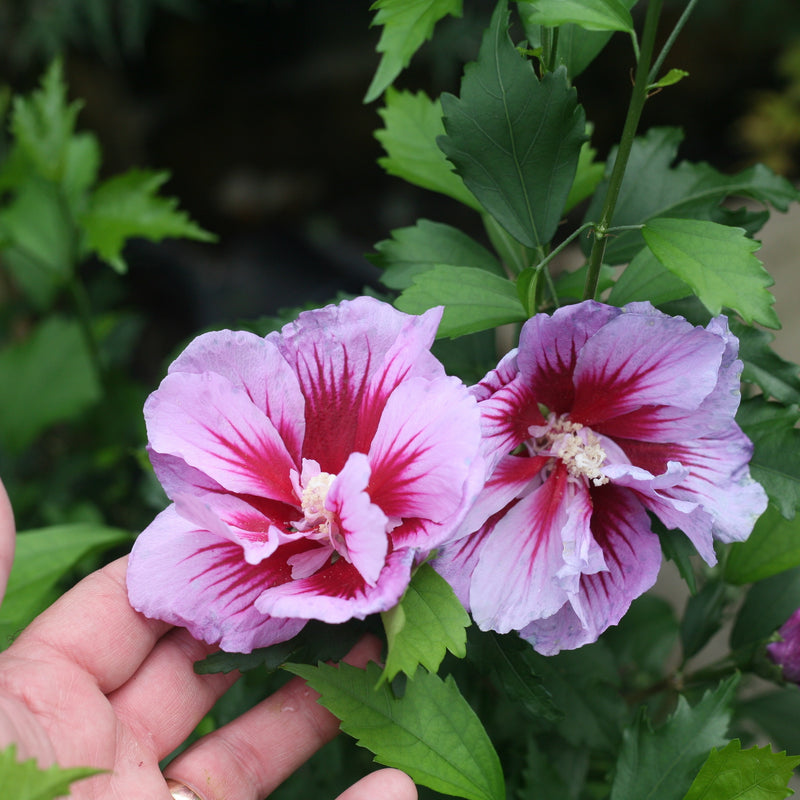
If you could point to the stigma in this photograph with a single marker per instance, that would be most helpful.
(578, 447)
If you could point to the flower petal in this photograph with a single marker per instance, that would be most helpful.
(644, 359)
(335, 352)
(424, 454)
(215, 428)
(338, 592)
(520, 575)
(257, 366)
(632, 554)
(549, 348)
(362, 524)
(217, 586)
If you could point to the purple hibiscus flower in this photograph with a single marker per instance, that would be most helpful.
(307, 470)
(786, 652)
(601, 415)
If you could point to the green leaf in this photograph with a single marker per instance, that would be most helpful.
(419, 248)
(43, 124)
(702, 617)
(777, 377)
(646, 278)
(776, 459)
(128, 206)
(407, 24)
(661, 765)
(53, 379)
(511, 663)
(678, 548)
(687, 191)
(768, 604)
(570, 284)
(670, 79)
(427, 622)
(41, 559)
(736, 774)
(584, 685)
(29, 782)
(431, 733)
(773, 546)
(594, 15)
(588, 174)
(474, 299)
(577, 47)
(412, 123)
(38, 240)
(515, 140)
(718, 263)
(776, 713)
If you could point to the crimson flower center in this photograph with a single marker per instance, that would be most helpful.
(578, 447)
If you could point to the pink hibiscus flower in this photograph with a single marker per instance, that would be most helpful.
(307, 470)
(601, 415)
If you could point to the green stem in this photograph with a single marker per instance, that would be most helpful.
(657, 64)
(638, 99)
(84, 313)
(556, 250)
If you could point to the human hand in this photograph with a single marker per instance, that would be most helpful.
(93, 683)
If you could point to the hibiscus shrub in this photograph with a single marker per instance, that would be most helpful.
(498, 513)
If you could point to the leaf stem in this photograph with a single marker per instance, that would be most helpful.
(657, 64)
(638, 98)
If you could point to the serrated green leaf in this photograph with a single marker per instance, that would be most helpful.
(776, 714)
(41, 559)
(43, 124)
(777, 377)
(661, 764)
(646, 278)
(420, 247)
(577, 47)
(474, 299)
(718, 263)
(407, 24)
(594, 15)
(670, 79)
(431, 733)
(515, 140)
(776, 458)
(511, 662)
(53, 379)
(702, 617)
(768, 604)
(29, 782)
(412, 123)
(689, 191)
(427, 622)
(128, 206)
(773, 546)
(736, 774)
(588, 175)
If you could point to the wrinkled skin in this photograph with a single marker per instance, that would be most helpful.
(114, 690)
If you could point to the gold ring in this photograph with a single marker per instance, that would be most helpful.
(180, 791)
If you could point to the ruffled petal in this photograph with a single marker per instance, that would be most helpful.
(338, 592)
(424, 455)
(255, 365)
(335, 352)
(218, 587)
(215, 428)
(362, 524)
(632, 554)
(549, 348)
(521, 574)
(644, 359)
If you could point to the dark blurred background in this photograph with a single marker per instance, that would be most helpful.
(255, 107)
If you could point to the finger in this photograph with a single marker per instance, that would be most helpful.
(388, 784)
(6, 539)
(249, 757)
(166, 699)
(94, 626)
